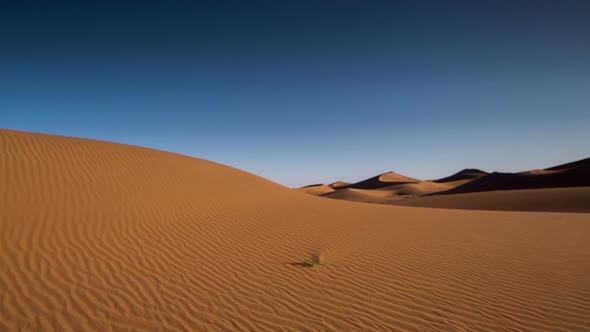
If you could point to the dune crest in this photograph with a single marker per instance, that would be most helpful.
(316, 189)
(338, 184)
(575, 174)
(466, 174)
(473, 189)
(380, 181)
(97, 236)
(547, 200)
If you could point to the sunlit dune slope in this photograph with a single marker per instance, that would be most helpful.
(390, 193)
(338, 184)
(99, 236)
(316, 189)
(382, 180)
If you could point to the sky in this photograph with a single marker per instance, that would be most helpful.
(303, 92)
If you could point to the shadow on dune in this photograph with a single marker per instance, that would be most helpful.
(466, 174)
(301, 264)
(575, 174)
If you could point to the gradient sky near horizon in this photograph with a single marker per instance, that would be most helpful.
(304, 92)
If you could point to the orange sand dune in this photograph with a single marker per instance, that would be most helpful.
(382, 180)
(316, 189)
(423, 188)
(395, 178)
(552, 199)
(99, 236)
(392, 193)
(338, 184)
(363, 195)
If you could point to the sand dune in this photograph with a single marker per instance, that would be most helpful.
(394, 192)
(99, 236)
(381, 180)
(316, 189)
(338, 184)
(413, 192)
(582, 163)
(362, 195)
(466, 174)
(576, 174)
(552, 199)
(423, 187)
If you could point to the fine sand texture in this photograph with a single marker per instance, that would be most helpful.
(100, 236)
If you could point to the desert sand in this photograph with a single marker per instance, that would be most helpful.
(550, 199)
(317, 189)
(563, 188)
(99, 236)
(379, 181)
(338, 184)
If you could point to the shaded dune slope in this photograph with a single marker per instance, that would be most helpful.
(576, 174)
(316, 189)
(466, 174)
(98, 236)
(422, 188)
(575, 199)
(550, 200)
(582, 163)
(360, 195)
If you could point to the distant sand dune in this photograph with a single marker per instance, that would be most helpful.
(338, 184)
(379, 181)
(318, 189)
(361, 195)
(401, 190)
(423, 188)
(390, 193)
(553, 199)
(98, 236)
(411, 194)
(576, 174)
(466, 174)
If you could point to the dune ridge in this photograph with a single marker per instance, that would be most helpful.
(466, 174)
(575, 199)
(338, 184)
(380, 181)
(100, 236)
(317, 189)
(575, 174)
(472, 189)
(392, 193)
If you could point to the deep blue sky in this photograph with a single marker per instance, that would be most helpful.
(303, 92)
